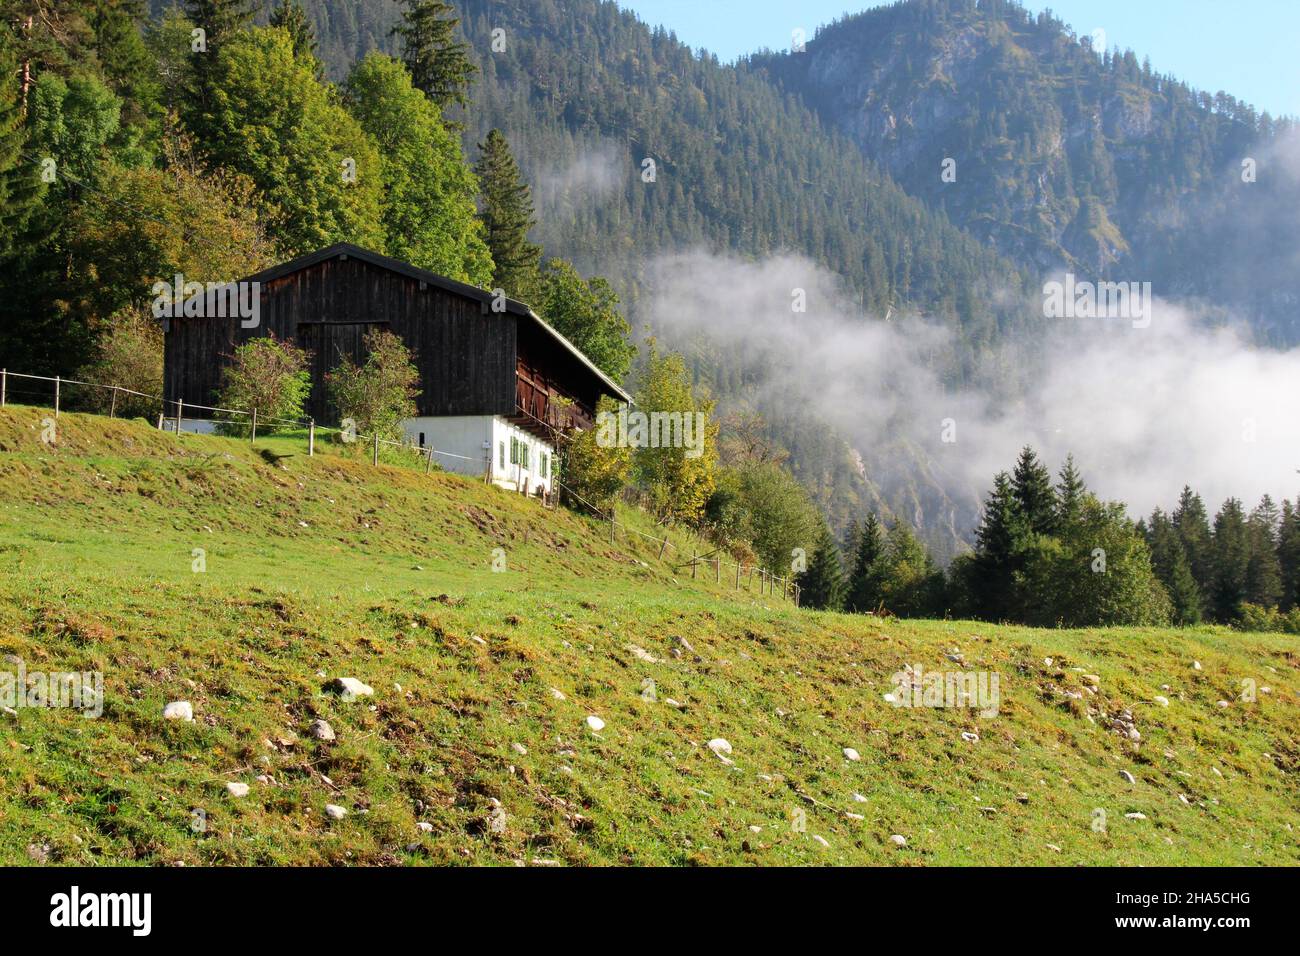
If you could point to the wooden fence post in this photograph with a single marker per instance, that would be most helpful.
(797, 589)
(57, 389)
(374, 454)
(180, 412)
(717, 570)
(252, 435)
(738, 567)
(428, 465)
(662, 548)
(694, 565)
(311, 437)
(4, 386)
(112, 408)
(612, 528)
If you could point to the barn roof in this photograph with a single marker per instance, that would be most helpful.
(442, 282)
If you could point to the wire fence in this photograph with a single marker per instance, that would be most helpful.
(74, 395)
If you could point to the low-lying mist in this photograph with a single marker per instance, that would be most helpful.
(1143, 410)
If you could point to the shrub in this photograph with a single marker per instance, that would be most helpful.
(379, 395)
(268, 375)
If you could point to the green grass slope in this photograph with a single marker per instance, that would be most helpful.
(475, 746)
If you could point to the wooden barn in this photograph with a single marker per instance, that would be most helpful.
(489, 379)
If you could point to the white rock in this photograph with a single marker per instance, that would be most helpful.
(898, 840)
(1128, 777)
(424, 827)
(1134, 735)
(754, 828)
(1196, 665)
(859, 798)
(1136, 816)
(854, 816)
(672, 703)
(595, 723)
(236, 789)
(350, 688)
(1183, 797)
(1054, 848)
(334, 811)
(1047, 661)
(496, 821)
(519, 748)
(821, 841)
(851, 754)
(969, 737)
(178, 710)
(1222, 705)
(719, 746)
(557, 694)
(1162, 701)
(321, 730)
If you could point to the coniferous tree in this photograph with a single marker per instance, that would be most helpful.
(289, 15)
(1169, 560)
(998, 546)
(864, 593)
(1031, 483)
(1231, 561)
(1070, 491)
(1192, 522)
(1288, 553)
(439, 62)
(1263, 569)
(219, 20)
(822, 584)
(506, 210)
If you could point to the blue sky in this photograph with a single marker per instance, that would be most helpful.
(1250, 50)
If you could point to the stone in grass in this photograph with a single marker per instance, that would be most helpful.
(851, 754)
(1135, 816)
(720, 746)
(179, 710)
(821, 841)
(424, 827)
(335, 812)
(595, 723)
(321, 730)
(1162, 701)
(236, 789)
(519, 749)
(349, 688)
(1128, 777)
(898, 839)
(969, 737)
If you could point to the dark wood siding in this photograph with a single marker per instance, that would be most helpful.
(466, 355)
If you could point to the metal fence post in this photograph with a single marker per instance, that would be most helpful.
(311, 437)
(252, 435)
(57, 390)
(4, 385)
(180, 413)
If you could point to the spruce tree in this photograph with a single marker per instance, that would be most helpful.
(1231, 561)
(1263, 569)
(998, 553)
(1031, 484)
(822, 584)
(506, 211)
(1192, 523)
(440, 64)
(1169, 560)
(864, 592)
(1070, 491)
(293, 18)
(1288, 554)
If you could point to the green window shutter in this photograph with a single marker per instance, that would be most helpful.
(502, 446)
